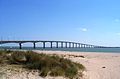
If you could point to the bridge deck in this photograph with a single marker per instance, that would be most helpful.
(67, 43)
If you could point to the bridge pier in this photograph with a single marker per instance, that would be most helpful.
(84, 45)
(51, 46)
(34, 45)
(69, 45)
(61, 44)
(79, 45)
(87, 46)
(65, 44)
(56, 44)
(90, 46)
(43, 44)
(73, 45)
(76, 45)
(20, 45)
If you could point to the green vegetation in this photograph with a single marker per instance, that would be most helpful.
(52, 65)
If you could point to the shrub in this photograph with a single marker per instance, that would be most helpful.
(44, 71)
(52, 65)
(71, 71)
(4, 56)
(57, 71)
(17, 57)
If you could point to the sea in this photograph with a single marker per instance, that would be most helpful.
(105, 50)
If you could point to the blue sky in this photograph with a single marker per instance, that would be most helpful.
(87, 21)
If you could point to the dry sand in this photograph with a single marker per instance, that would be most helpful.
(98, 65)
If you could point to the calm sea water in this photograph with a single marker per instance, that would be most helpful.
(112, 50)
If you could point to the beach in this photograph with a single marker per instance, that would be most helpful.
(99, 65)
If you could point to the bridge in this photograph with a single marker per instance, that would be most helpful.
(62, 43)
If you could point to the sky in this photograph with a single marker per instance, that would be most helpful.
(94, 22)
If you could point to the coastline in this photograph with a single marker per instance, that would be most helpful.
(99, 65)
(104, 50)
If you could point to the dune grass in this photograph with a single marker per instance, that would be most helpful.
(52, 65)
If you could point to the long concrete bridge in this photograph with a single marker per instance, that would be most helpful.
(58, 44)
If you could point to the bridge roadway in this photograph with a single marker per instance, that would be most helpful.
(63, 44)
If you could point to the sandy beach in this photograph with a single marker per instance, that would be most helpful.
(98, 65)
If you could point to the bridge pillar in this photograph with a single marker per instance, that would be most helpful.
(84, 46)
(20, 45)
(66, 44)
(43, 44)
(87, 46)
(61, 44)
(79, 45)
(51, 44)
(76, 45)
(69, 45)
(56, 44)
(90, 46)
(73, 45)
(34, 45)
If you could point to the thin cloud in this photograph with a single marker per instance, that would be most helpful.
(83, 29)
(117, 20)
(118, 33)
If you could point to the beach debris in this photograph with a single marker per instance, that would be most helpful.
(77, 56)
(103, 67)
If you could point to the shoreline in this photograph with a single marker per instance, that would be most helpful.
(74, 51)
(94, 50)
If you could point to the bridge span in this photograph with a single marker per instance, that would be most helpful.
(58, 44)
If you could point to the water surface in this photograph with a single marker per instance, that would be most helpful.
(112, 50)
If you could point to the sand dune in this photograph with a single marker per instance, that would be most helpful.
(98, 65)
